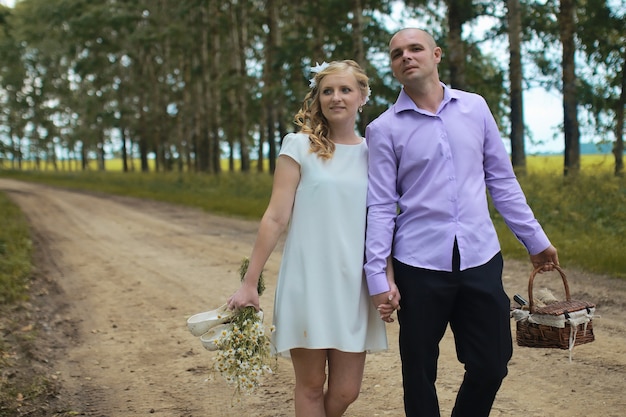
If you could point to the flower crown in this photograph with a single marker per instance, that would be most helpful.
(321, 67)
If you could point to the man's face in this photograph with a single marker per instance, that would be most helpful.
(414, 56)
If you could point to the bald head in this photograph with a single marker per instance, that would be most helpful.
(427, 37)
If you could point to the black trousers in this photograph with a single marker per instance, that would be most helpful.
(475, 305)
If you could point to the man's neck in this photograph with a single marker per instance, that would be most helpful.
(426, 96)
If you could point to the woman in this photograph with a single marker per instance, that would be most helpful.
(322, 312)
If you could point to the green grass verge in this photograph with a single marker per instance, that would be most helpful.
(230, 194)
(584, 215)
(15, 252)
(26, 387)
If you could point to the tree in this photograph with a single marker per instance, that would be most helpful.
(603, 36)
(271, 109)
(567, 33)
(182, 82)
(518, 154)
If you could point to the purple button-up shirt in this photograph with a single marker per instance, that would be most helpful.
(428, 176)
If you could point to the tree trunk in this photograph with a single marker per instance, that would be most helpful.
(357, 33)
(83, 158)
(271, 86)
(359, 55)
(213, 82)
(240, 40)
(567, 29)
(618, 146)
(518, 154)
(124, 149)
(456, 49)
(207, 104)
(101, 151)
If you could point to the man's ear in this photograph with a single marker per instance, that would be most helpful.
(438, 53)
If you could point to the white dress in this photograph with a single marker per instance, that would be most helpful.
(321, 299)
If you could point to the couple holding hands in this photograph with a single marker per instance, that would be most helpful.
(412, 197)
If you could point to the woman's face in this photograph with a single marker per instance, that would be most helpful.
(340, 97)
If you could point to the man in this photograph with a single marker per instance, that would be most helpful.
(433, 155)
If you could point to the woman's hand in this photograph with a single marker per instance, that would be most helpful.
(387, 302)
(245, 296)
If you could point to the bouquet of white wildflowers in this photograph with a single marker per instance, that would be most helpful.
(243, 347)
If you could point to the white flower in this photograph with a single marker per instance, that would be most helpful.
(243, 355)
(316, 69)
(244, 352)
(320, 67)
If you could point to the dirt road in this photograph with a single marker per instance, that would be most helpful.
(125, 275)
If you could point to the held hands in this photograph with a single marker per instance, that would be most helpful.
(545, 260)
(387, 302)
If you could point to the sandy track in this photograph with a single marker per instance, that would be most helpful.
(129, 272)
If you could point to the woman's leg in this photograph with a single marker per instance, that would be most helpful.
(309, 366)
(345, 374)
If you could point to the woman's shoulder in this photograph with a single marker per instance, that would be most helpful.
(296, 140)
(295, 145)
(297, 137)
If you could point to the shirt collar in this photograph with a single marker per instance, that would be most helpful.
(404, 102)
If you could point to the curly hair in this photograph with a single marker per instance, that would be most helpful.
(310, 118)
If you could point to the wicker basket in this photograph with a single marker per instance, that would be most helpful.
(532, 333)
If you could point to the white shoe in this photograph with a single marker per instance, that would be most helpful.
(200, 323)
(210, 338)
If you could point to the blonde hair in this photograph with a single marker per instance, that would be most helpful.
(310, 118)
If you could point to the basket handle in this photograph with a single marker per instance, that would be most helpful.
(531, 306)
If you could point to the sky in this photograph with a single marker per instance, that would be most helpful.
(543, 111)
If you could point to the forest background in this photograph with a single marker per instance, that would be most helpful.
(186, 101)
(209, 87)
(188, 83)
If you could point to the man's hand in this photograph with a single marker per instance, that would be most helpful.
(387, 302)
(546, 259)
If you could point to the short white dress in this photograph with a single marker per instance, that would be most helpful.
(321, 299)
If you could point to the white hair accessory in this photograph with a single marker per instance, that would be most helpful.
(317, 68)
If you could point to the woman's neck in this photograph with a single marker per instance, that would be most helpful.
(344, 135)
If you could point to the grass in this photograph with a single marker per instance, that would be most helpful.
(15, 252)
(230, 194)
(585, 218)
(19, 382)
(553, 164)
(584, 215)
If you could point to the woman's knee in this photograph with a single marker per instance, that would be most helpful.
(312, 384)
(344, 394)
(310, 393)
